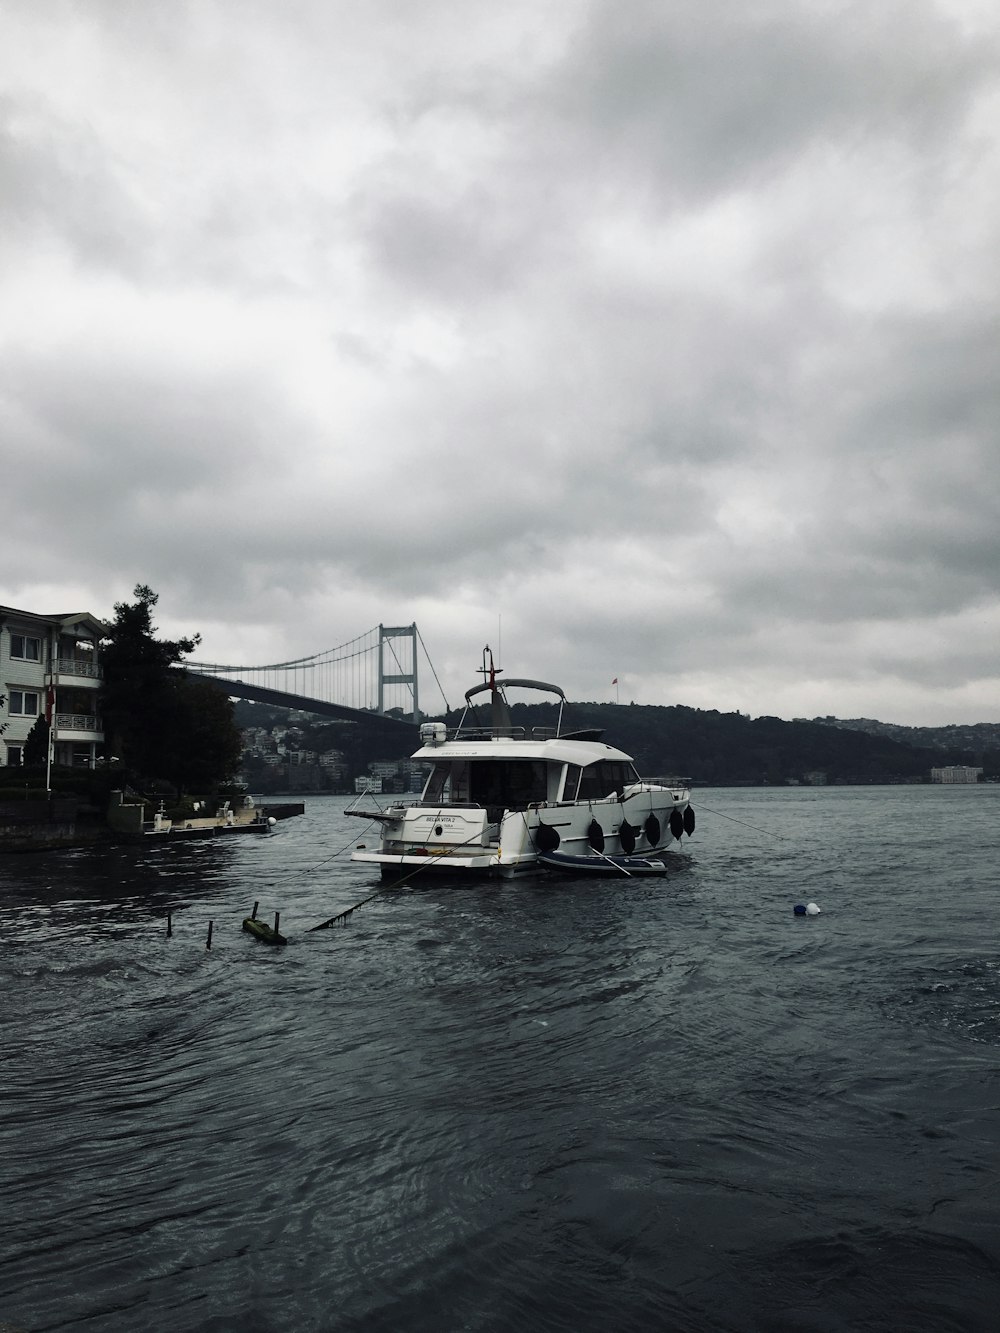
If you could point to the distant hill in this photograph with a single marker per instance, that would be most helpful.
(967, 737)
(709, 747)
(723, 749)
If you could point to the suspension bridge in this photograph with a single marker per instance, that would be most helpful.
(373, 675)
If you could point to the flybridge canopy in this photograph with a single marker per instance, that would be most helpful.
(502, 684)
(500, 720)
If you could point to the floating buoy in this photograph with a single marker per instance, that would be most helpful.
(595, 836)
(271, 820)
(799, 909)
(812, 909)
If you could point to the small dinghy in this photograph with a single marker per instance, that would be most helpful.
(601, 865)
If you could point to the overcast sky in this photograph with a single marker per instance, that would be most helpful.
(662, 334)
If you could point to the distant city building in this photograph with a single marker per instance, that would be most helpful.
(334, 764)
(956, 773)
(297, 757)
(372, 784)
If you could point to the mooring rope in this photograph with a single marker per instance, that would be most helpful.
(341, 917)
(767, 833)
(343, 849)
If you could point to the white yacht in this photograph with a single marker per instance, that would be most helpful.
(504, 800)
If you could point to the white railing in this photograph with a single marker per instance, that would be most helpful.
(78, 666)
(77, 722)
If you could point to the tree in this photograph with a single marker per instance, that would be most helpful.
(36, 747)
(205, 745)
(161, 724)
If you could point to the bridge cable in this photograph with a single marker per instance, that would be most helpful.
(447, 706)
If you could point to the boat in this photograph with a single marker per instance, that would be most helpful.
(499, 798)
(596, 863)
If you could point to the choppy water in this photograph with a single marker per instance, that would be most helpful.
(614, 1105)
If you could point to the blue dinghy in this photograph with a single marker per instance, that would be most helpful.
(601, 865)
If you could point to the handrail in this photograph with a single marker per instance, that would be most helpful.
(78, 666)
(481, 733)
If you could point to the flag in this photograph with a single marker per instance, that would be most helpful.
(50, 703)
(615, 681)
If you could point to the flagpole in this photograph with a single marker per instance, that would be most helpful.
(50, 718)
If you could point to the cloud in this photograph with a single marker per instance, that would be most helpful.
(663, 336)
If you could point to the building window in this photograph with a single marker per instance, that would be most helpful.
(25, 649)
(14, 754)
(23, 703)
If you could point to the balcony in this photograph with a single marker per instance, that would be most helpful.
(79, 671)
(77, 727)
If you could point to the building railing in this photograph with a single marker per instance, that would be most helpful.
(77, 722)
(78, 666)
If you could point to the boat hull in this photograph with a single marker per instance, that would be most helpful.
(476, 842)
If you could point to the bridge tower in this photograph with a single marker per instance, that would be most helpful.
(401, 676)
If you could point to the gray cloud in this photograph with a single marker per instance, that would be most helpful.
(666, 335)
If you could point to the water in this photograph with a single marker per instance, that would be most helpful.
(566, 1105)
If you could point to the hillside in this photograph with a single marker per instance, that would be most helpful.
(722, 749)
(703, 745)
(965, 738)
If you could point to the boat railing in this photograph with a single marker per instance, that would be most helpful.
(443, 805)
(502, 733)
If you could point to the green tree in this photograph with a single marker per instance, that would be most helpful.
(36, 747)
(159, 722)
(204, 746)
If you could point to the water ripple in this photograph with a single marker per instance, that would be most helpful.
(548, 1105)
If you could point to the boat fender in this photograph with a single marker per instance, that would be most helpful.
(595, 836)
(689, 821)
(676, 823)
(651, 828)
(547, 838)
(627, 835)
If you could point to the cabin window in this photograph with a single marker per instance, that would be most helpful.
(572, 783)
(605, 778)
(438, 786)
(448, 784)
(508, 783)
(25, 649)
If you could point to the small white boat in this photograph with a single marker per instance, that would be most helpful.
(498, 798)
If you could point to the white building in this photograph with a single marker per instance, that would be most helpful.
(49, 666)
(956, 773)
